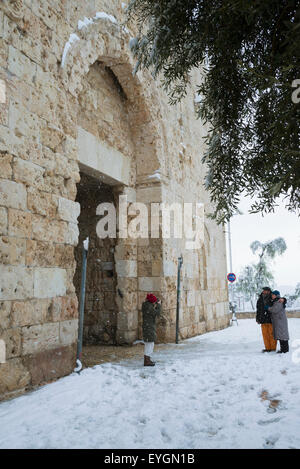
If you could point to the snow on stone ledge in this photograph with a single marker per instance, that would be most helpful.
(72, 39)
(85, 23)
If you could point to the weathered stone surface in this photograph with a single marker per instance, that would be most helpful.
(40, 337)
(13, 342)
(12, 250)
(16, 283)
(49, 365)
(19, 223)
(49, 282)
(20, 65)
(12, 194)
(13, 376)
(68, 332)
(42, 203)
(30, 312)
(5, 165)
(5, 315)
(23, 122)
(39, 253)
(3, 221)
(68, 210)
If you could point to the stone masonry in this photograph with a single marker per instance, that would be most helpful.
(70, 107)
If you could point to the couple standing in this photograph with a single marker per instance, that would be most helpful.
(270, 313)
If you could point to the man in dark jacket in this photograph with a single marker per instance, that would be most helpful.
(263, 317)
(151, 308)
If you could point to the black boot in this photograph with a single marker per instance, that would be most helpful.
(284, 346)
(148, 361)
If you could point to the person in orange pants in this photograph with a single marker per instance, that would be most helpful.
(263, 317)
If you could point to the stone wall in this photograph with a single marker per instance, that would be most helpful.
(72, 104)
(252, 315)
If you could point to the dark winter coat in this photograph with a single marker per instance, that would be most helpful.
(279, 321)
(262, 314)
(150, 312)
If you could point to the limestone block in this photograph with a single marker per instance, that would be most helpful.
(50, 364)
(20, 65)
(49, 282)
(169, 268)
(19, 223)
(39, 253)
(16, 283)
(126, 268)
(44, 229)
(23, 122)
(64, 255)
(13, 376)
(29, 313)
(191, 298)
(102, 159)
(3, 221)
(39, 338)
(12, 250)
(149, 284)
(5, 316)
(12, 194)
(69, 308)
(70, 148)
(68, 332)
(71, 234)
(149, 194)
(13, 341)
(42, 203)
(68, 210)
(28, 173)
(127, 321)
(51, 136)
(5, 164)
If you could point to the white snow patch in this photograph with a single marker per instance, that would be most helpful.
(198, 98)
(155, 175)
(72, 39)
(105, 16)
(84, 23)
(205, 392)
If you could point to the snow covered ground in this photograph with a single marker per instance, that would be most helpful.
(213, 391)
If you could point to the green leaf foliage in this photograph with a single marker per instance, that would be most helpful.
(250, 54)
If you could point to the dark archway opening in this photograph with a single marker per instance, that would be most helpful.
(101, 312)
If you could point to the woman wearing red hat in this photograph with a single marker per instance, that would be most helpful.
(151, 308)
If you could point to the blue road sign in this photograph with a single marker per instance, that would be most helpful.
(231, 277)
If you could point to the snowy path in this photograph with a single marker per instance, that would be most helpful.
(203, 393)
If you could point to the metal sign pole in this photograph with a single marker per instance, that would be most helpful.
(180, 262)
(82, 301)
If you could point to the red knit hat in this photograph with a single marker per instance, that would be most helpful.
(152, 298)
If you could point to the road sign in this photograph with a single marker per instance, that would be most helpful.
(231, 277)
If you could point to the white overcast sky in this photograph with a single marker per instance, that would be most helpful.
(247, 228)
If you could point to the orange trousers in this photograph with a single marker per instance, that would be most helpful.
(269, 341)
